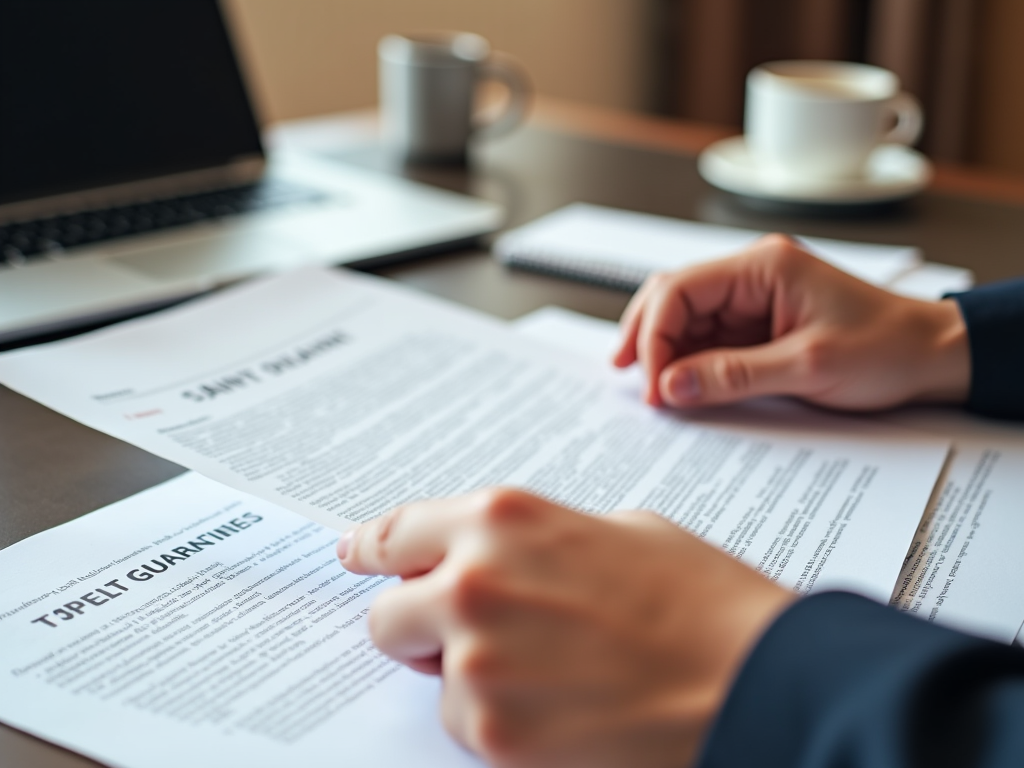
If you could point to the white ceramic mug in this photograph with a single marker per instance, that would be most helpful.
(813, 122)
(428, 87)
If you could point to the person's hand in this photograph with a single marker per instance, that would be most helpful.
(775, 320)
(563, 639)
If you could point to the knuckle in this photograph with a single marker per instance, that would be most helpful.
(778, 241)
(502, 504)
(474, 589)
(383, 535)
(732, 373)
(784, 253)
(479, 726)
(477, 666)
(815, 358)
(496, 739)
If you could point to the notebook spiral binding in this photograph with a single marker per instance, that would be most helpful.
(593, 271)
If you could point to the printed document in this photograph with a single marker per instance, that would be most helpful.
(196, 625)
(963, 568)
(339, 396)
(963, 565)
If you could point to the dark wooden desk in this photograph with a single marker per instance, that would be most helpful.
(53, 469)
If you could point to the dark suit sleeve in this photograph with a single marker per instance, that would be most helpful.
(841, 682)
(995, 326)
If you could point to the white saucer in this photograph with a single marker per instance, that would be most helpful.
(894, 172)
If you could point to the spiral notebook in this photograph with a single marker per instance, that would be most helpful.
(621, 248)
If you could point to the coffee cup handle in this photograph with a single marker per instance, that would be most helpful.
(909, 120)
(510, 73)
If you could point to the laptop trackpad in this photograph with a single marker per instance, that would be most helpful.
(227, 255)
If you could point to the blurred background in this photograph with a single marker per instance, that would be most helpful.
(685, 58)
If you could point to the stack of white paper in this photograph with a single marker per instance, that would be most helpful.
(197, 614)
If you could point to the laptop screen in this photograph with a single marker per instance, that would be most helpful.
(98, 92)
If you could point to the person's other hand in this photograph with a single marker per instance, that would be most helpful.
(563, 639)
(775, 320)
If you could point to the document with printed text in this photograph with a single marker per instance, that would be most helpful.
(962, 567)
(193, 624)
(339, 396)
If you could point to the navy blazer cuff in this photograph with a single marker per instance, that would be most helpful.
(841, 681)
(995, 327)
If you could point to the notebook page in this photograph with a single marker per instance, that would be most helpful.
(599, 238)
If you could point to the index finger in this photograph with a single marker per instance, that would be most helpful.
(629, 325)
(408, 541)
(661, 326)
(675, 301)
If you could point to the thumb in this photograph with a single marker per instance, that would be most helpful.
(719, 376)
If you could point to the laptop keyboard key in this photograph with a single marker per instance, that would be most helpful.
(45, 236)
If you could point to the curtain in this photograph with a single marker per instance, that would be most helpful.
(930, 44)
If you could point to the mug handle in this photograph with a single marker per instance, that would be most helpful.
(909, 120)
(510, 73)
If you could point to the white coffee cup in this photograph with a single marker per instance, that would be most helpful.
(814, 122)
(428, 88)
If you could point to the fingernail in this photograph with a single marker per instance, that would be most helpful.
(345, 542)
(685, 387)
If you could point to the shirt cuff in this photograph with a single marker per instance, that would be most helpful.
(840, 680)
(994, 315)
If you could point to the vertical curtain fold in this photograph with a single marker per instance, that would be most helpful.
(930, 44)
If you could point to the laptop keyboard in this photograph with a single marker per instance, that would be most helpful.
(25, 241)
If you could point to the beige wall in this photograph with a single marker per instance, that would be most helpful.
(999, 129)
(313, 56)
(309, 57)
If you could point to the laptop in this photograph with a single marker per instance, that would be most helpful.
(132, 173)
